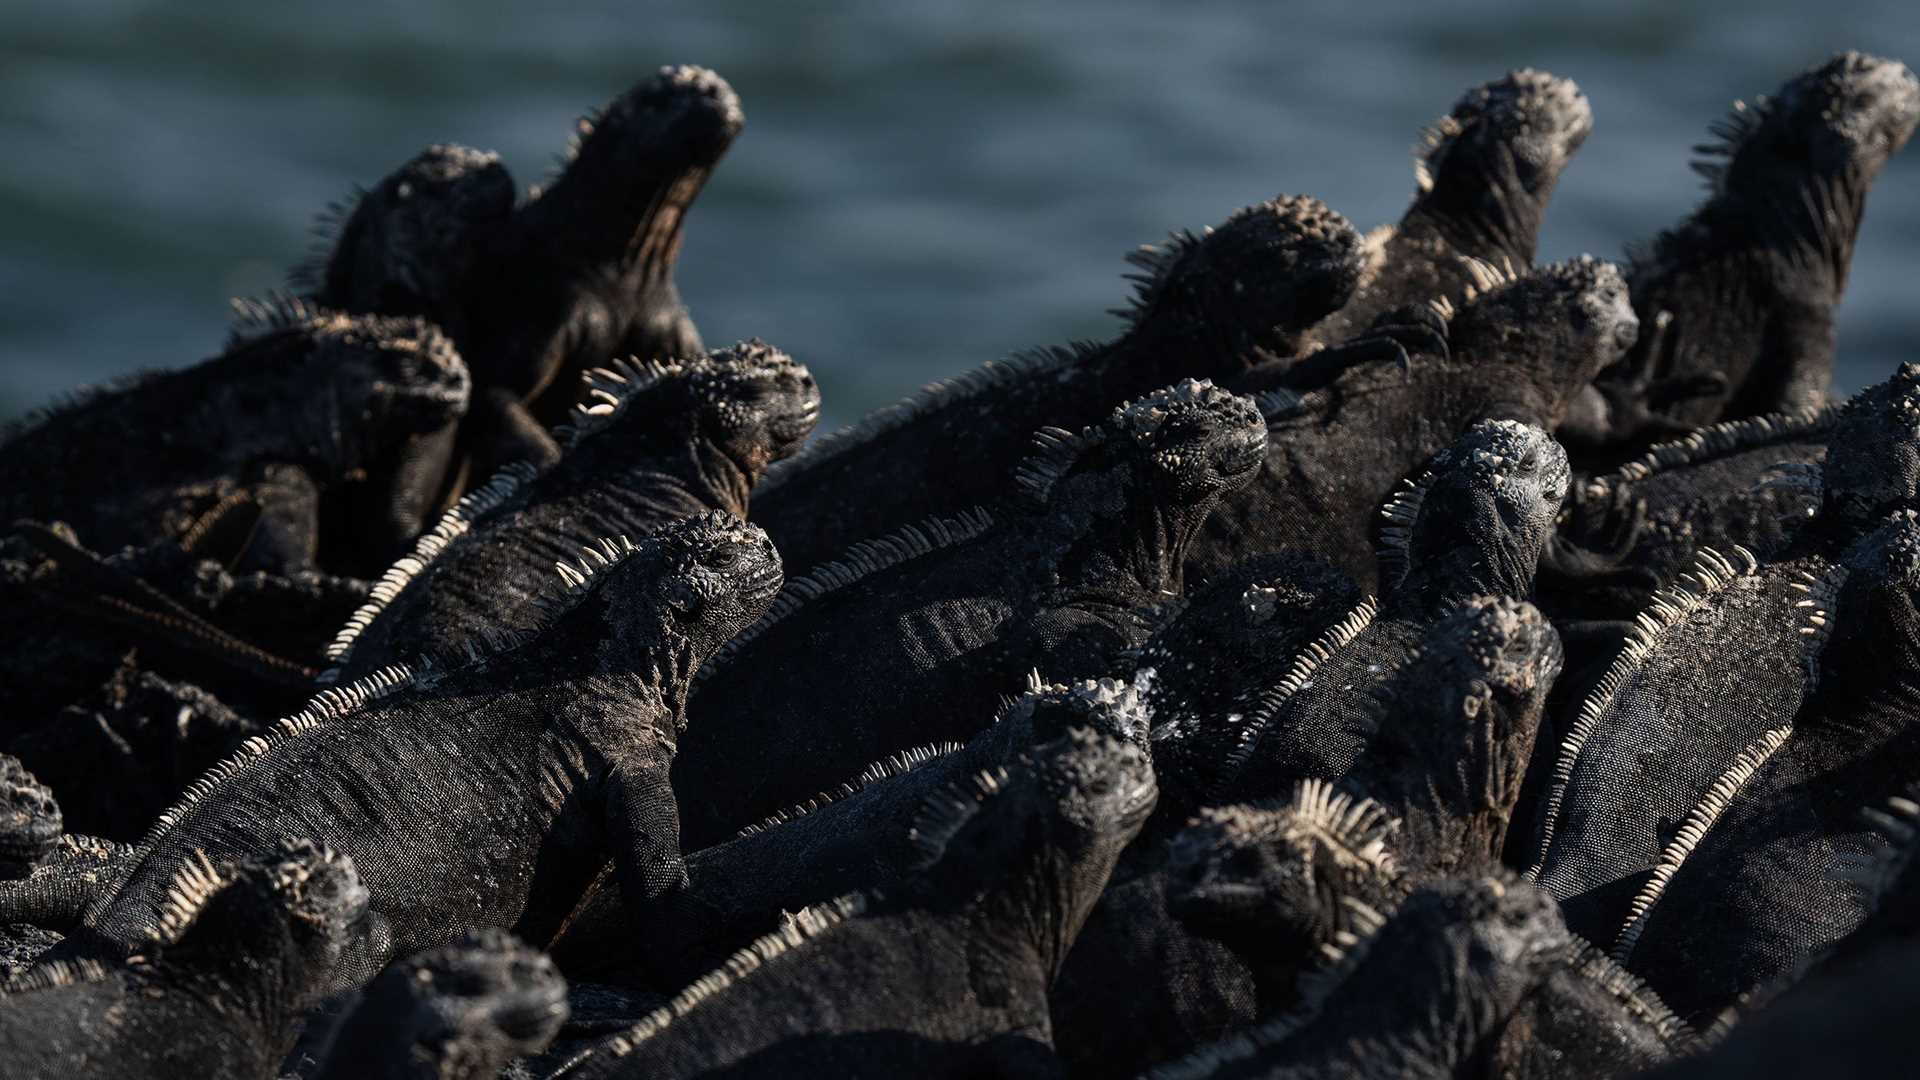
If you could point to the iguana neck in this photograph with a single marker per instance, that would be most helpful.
(261, 981)
(599, 218)
(1129, 555)
(1810, 222)
(1501, 227)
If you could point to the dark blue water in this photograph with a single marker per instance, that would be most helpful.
(921, 186)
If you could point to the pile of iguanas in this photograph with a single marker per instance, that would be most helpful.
(1385, 657)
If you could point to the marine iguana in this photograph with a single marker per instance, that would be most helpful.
(1737, 482)
(1710, 681)
(238, 953)
(1283, 884)
(1745, 894)
(1519, 351)
(31, 823)
(536, 295)
(651, 443)
(1741, 293)
(1484, 173)
(913, 638)
(1429, 705)
(295, 403)
(1468, 978)
(945, 975)
(565, 739)
(843, 840)
(1206, 306)
(459, 1012)
(1845, 1012)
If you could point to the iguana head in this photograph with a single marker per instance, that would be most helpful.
(1873, 455)
(1133, 490)
(30, 822)
(750, 403)
(1458, 729)
(1256, 280)
(1817, 144)
(409, 243)
(1487, 169)
(470, 1006)
(1114, 708)
(1547, 334)
(1467, 950)
(635, 168)
(1478, 519)
(295, 911)
(1041, 835)
(1276, 881)
(699, 581)
(336, 391)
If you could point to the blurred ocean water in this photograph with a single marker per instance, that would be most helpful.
(922, 185)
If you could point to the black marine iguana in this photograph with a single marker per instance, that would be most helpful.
(293, 405)
(1520, 351)
(914, 638)
(1738, 299)
(847, 839)
(1468, 978)
(459, 1012)
(1738, 482)
(944, 975)
(1429, 705)
(564, 740)
(1207, 306)
(535, 296)
(1484, 172)
(1710, 681)
(651, 443)
(238, 952)
(1285, 884)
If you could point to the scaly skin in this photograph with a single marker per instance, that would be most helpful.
(1709, 684)
(565, 744)
(30, 820)
(650, 445)
(848, 839)
(1431, 707)
(459, 1012)
(946, 975)
(1485, 173)
(1738, 299)
(1753, 898)
(297, 405)
(1423, 996)
(1519, 351)
(241, 952)
(1208, 306)
(885, 653)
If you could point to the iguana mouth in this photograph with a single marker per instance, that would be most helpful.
(793, 427)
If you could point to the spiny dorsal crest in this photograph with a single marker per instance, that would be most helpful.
(947, 812)
(1353, 831)
(1117, 707)
(255, 318)
(859, 562)
(1897, 825)
(1268, 705)
(795, 931)
(885, 769)
(196, 882)
(1485, 275)
(1597, 968)
(1693, 590)
(1700, 821)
